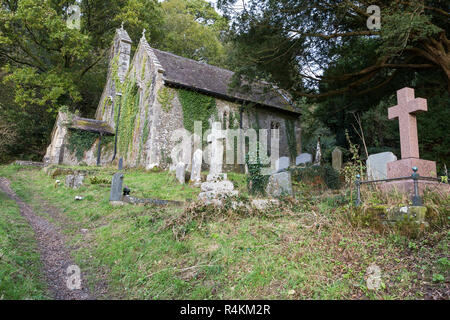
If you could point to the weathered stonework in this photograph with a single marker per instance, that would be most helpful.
(150, 143)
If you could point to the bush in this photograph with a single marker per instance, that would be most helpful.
(256, 182)
(318, 176)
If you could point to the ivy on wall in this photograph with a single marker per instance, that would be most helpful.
(290, 135)
(196, 107)
(128, 116)
(80, 141)
(165, 97)
(107, 144)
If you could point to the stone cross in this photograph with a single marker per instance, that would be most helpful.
(216, 150)
(406, 111)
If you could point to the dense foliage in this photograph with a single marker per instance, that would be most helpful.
(80, 141)
(45, 65)
(196, 107)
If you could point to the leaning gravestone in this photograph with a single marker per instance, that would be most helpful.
(116, 187)
(377, 165)
(280, 184)
(181, 172)
(303, 159)
(336, 157)
(197, 167)
(282, 164)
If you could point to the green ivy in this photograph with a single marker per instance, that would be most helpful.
(128, 116)
(165, 97)
(256, 182)
(196, 107)
(316, 175)
(290, 134)
(107, 144)
(80, 141)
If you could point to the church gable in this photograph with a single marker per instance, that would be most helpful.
(147, 98)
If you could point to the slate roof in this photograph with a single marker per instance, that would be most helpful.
(216, 81)
(91, 125)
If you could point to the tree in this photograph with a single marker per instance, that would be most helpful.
(48, 62)
(308, 38)
(192, 29)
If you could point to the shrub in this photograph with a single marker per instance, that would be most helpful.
(256, 182)
(318, 176)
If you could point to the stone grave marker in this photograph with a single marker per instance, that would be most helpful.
(280, 184)
(282, 164)
(116, 187)
(377, 165)
(336, 157)
(196, 167)
(181, 172)
(303, 159)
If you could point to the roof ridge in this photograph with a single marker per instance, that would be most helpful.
(197, 62)
(152, 55)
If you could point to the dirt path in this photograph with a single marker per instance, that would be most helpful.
(54, 254)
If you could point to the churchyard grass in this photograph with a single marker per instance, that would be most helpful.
(314, 253)
(20, 266)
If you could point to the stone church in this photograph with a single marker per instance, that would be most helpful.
(153, 93)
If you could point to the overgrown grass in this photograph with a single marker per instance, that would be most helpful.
(304, 249)
(20, 265)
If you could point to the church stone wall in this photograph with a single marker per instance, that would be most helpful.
(156, 119)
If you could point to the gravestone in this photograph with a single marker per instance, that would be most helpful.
(280, 184)
(336, 157)
(196, 167)
(121, 164)
(69, 180)
(377, 165)
(406, 111)
(78, 181)
(116, 187)
(216, 152)
(217, 187)
(282, 164)
(74, 181)
(303, 158)
(181, 172)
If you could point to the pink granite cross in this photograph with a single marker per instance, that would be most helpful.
(406, 111)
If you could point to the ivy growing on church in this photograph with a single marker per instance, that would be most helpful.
(80, 141)
(196, 107)
(128, 116)
(165, 97)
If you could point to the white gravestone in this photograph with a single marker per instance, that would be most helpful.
(377, 165)
(197, 167)
(181, 172)
(303, 159)
(282, 164)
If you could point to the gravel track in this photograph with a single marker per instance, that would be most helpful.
(54, 253)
